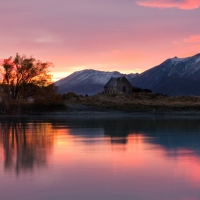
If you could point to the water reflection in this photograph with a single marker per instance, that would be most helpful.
(28, 140)
(171, 133)
(25, 144)
(100, 158)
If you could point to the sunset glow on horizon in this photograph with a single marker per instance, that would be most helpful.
(128, 36)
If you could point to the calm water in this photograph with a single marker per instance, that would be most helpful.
(93, 158)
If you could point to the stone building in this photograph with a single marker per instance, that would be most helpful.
(118, 85)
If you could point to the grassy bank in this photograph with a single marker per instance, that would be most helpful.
(138, 102)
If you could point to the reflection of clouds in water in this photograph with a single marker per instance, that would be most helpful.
(25, 145)
(167, 131)
(85, 159)
(27, 142)
(171, 133)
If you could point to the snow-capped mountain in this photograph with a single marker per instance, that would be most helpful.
(175, 76)
(88, 81)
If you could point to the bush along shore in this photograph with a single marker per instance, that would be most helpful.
(28, 108)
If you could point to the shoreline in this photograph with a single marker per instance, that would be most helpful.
(93, 110)
(110, 113)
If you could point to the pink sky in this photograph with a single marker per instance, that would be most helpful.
(108, 35)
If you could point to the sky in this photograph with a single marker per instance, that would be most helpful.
(128, 36)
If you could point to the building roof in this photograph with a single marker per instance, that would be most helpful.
(113, 81)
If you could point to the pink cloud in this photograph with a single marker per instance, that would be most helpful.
(180, 4)
(192, 39)
(176, 43)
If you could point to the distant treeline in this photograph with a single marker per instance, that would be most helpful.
(136, 89)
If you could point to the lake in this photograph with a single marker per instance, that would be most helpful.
(100, 158)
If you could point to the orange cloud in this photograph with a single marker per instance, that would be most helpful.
(192, 39)
(180, 4)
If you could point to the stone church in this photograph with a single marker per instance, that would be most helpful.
(118, 85)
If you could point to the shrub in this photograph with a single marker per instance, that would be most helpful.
(136, 89)
(147, 90)
(69, 95)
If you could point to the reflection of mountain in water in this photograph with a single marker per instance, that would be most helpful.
(25, 144)
(172, 133)
(27, 141)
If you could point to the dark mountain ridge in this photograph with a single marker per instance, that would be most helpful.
(175, 77)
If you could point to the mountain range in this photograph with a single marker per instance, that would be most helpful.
(175, 77)
(88, 81)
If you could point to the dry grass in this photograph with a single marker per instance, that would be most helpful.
(139, 102)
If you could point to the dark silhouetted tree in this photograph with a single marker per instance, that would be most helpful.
(24, 77)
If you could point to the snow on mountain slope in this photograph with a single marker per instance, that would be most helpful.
(87, 81)
(175, 76)
(181, 68)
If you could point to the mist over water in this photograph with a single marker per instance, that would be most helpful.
(152, 157)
